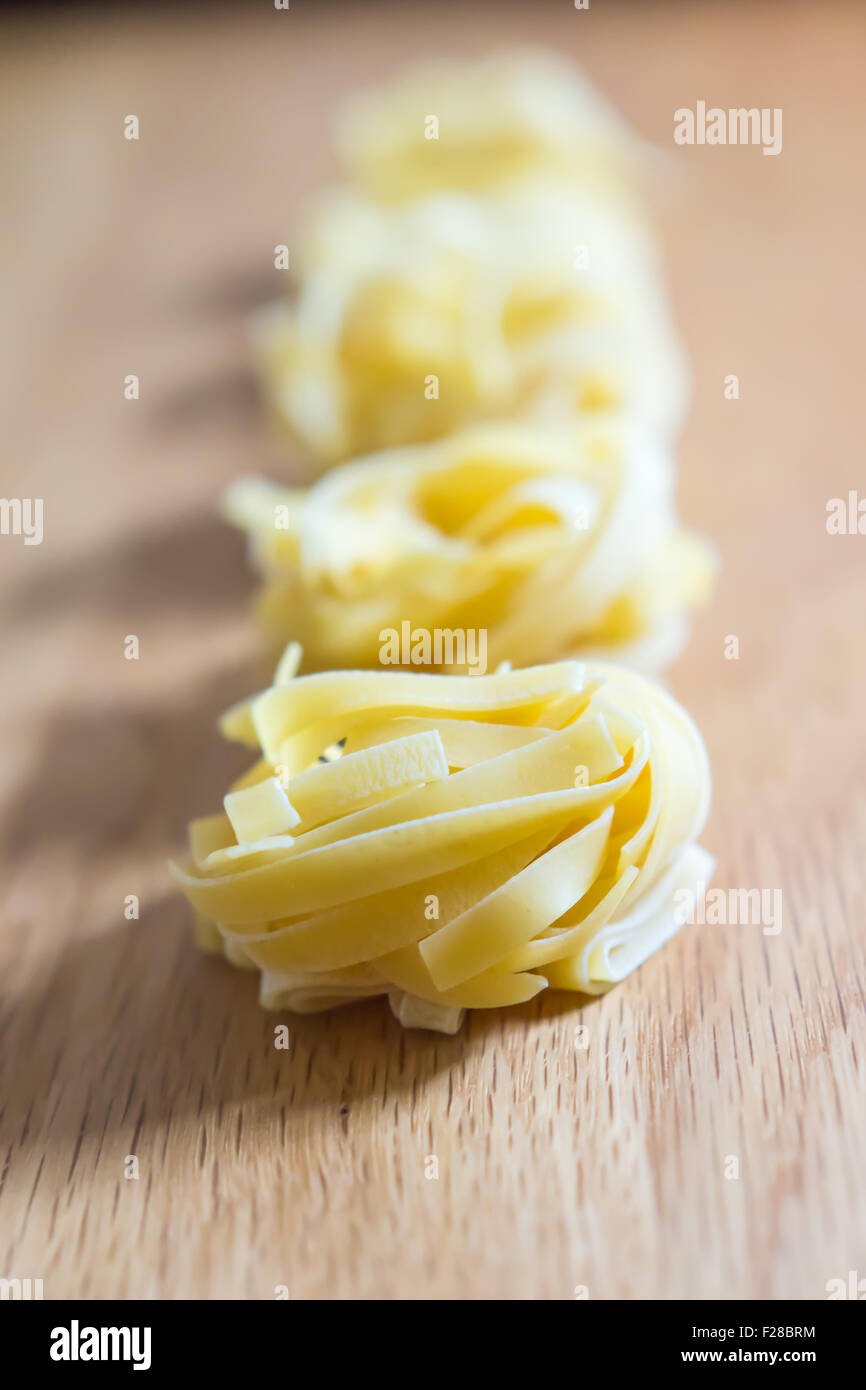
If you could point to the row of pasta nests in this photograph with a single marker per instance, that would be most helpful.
(479, 363)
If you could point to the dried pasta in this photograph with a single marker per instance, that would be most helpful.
(456, 842)
(485, 254)
(481, 532)
(476, 124)
(538, 301)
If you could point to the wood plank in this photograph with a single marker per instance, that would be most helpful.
(558, 1166)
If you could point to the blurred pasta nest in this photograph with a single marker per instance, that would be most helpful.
(552, 540)
(486, 255)
(538, 300)
(451, 841)
(476, 124)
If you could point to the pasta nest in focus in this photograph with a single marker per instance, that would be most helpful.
(551, 540)
(410, 322)
(450, 841)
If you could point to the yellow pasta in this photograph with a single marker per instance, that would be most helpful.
(474, 124)
(539, 541)
(260, 811)
(472, 841)
(538, 302)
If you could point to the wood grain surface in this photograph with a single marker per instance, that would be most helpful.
(559, 1166)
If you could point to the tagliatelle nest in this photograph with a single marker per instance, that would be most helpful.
(552, 542)
(475, 124)
(541, 302)
(476, 840)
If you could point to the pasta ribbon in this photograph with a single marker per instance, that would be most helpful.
(479, 534)
(511, 113)
(489, 259)
(536, 301)
(468, 842)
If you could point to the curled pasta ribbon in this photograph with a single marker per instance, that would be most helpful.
(481, 533)
(536, 301)
(450, 841)
(471, 125)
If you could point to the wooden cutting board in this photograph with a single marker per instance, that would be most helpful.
(606, 1167)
